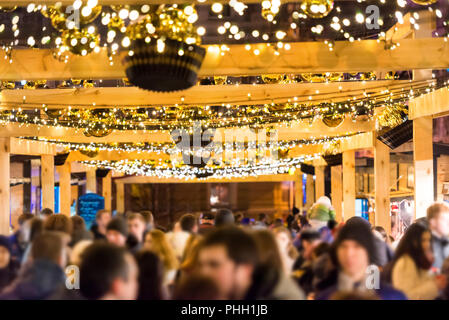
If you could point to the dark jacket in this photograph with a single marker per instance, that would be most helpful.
(97, 234)
(440, 248)
(8, 274)
(37, 281)
(385, 291)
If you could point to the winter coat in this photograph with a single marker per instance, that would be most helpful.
(416, 283)
(37, 281)
(8, 274)
(440, 248)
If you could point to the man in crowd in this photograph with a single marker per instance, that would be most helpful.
(117, 232)
(181, 233)
(136, 230)
(224, 217)
(19, 239)
(149, 219)
(45, 213)
(438, 219)
(45, 275)
(108, 272)
(206, 223)
(99, 228)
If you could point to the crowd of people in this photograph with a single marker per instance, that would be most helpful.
(219, 255)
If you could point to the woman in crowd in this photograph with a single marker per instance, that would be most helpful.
(8, 267)
(151, 274)
(412, 263)
(156, 241)
(288, 252)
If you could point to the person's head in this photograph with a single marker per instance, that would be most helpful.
(302, 221)
(149, 218)
(137, 226)
(78, 223)
(108, 272)
(5, 252)
(320, 249)
(332, 224)
(24, 217)
(157, 242)
(268, 249)
(77, 251)
(354, 248)
(416, 243)
(229, 256)
(117, 231)
(438, 218)
(102, 218)
(380, 232)
(36, 227)
(45, 213)
(309, 240)
(197, 287)
(59, 222)
(207, 218)
(285, 241)
(262, 217)
(189, 223)
(49, 246)
(224, 217)
(151, 274)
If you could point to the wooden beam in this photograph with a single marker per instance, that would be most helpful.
(365, 55)
(337, 191)
(382, 186)
(245, 94)
(65, 188)
(299, 194)
(91, 180)
(107, 191)
(423, 157)
(319, 181)
(4, 186)
(48, 181)
(120, 197)
(434, 104)
(29, 147)
(348, 184)
(310, 191)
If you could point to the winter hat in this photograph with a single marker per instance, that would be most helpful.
(4, 242)
(322, 210)
(359, 230)
(119, 225)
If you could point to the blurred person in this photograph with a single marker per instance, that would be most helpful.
(237, 218)
(8, 267)
(288, 252)
(151, 276)
(77, 251)
(102, 219)
(136, 231)
(309, 238)
(189, 261)
(36, 226)
(438, 220)
(277, 223)
(19, 240)
(224, 217)
(269, 279)
(197, 287)
(108, 272)
(352, 254)
(206, 223)
(321, 212)
(44, 274)
(149, 219)
(445, 271)
(117, 232)
(59, 222)
(261, 222)
(79, 231)
(178, 238)
(45, 213)
(157, 242)
(412, 263)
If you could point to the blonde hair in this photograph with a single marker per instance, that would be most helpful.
(161, 247)
(436, 209)
(292, 251)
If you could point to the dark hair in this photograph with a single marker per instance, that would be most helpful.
(101, 264)
(188, 222)
(224, 217)
(411, 244)
(100, 213)
(151, 274)
(382, 232)
(78, 223)
(148, 216)
(310, 235)
(36, 227)
(197, 287)
(24, 217)
(59, 222)
(46, 212)
(47, 246)
(262, 217)
(321, 249)
(268, 249)
(331, 224)
(303, 221)
(239, 245)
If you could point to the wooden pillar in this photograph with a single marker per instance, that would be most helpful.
(48, 181)
(310, 191)
(337, 191)
(4, 186)
(423, 158)
(121, 198)
(348, 184)
(382, 186)
(65, 188)
(107, 190)
(91, 180)
(299, 195)
(319, 181)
